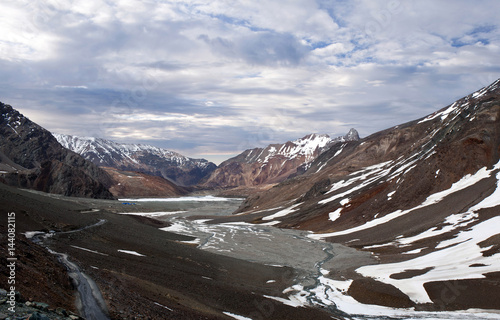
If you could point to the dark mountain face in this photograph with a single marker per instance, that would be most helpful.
(151, 160)
(30, 157)
(274, 163)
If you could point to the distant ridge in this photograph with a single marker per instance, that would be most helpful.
(148, 159)
(274, 163)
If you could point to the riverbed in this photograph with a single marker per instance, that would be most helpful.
(322, 282)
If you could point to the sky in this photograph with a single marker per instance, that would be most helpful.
(210, 79)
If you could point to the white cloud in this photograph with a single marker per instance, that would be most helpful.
(179, 71)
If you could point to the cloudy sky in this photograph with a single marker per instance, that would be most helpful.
(212, 78)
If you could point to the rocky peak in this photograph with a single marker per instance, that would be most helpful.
(352, 135)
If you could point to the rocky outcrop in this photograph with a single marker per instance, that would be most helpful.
(30, 157)
(40, 277)
(274, 163)
(33, 310)
(147, 159)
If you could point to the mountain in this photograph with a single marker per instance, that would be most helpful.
(151, 160)
(127, 184)
(274, 163)
(30, 157)
(422, 197)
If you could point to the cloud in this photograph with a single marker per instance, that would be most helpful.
(217, 77)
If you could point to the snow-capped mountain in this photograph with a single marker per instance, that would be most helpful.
(148, 159)
(274, 163)
(422, 198)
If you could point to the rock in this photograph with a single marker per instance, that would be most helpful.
(274, 163)
(370, 291)
(19, 297)
(38, 316)
(353, 135)
(40, 306)
(62, 312)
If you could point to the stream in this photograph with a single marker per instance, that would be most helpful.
(90, 302)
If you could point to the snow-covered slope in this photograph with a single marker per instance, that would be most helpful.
(307, 148)
(274, 163)
(139, 157)
(422, 197)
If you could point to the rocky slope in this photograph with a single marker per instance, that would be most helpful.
(30, 157)
(274, 163)
(422, 197)
(137, 184)
(151, 160)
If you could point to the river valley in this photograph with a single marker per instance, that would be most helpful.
(164, 259)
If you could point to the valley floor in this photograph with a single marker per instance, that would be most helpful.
(163, 260)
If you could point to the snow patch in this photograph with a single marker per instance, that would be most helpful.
(451, 263)
(88, 250)
(235, 316)
(335, 215)
(463, 183)
(152, 214)
(292, 301)
(165, 307)
(282, 213)
(390, 194)
(443, 114)
(195, 241)
(134, 253)
(31, 234)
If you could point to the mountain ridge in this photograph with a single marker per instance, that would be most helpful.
(170, 165)
(275, 162)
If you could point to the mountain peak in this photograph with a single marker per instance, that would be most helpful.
(352, 135)
(276, 162)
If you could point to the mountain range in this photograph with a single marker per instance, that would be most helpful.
(274, 163)
(179, 169)
(419, 204)
(422, 197)
(125, 170)
(252, 168)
